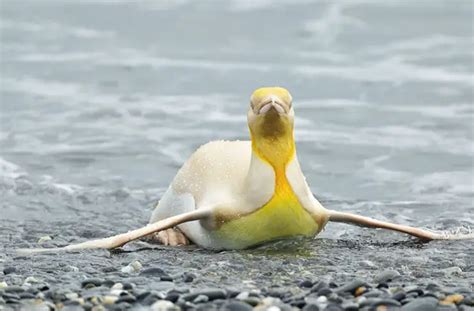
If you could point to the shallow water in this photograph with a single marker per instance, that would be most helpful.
(102, 101)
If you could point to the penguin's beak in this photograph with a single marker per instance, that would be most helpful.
(271, 103)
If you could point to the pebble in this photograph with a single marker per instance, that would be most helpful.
(386, 276)
(305, 284)
(351, 287)
(3, 284)
(421, 304)
(44, 239)
(9, 270)
(89, 283)
(163, 305)
(134, 266)
(236, 306)
(453, 271)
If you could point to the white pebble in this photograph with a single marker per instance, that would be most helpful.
(163, 305)
(71, 296)
(322, 299)
(44, 239)
(30, 280)
(3, 284)
(242, 295)
(117, 286)
(134, 266)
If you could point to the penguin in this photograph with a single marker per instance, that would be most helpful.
(238, 194)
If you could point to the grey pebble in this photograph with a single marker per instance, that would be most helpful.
(421, 304)
(236, 306)
(89, 283)
(126, 298)
(400, 295)
(386, 276)
(188, 277)
(318, 286)
(351, 287)
(14, 289)
(334, 307)
(201, 299)
(306, 284)
(9, 270)
(311, 307)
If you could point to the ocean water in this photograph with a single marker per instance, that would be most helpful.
(102, 101)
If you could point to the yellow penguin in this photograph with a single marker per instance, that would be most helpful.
(237, 194)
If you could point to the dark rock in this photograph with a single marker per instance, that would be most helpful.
(278, 292)
(26, 295)
(421, 304)
(400, 295)
(172, 296)
(212, 294)
(188, 277)
(351, 287)
(253, 301)
(14, 289)
(9, 270)
(383, 302)
(236, 306)
(417, 290)
(109, 269)
(311, 307)
(155, 271)
(350, 306)
(89, 283)
(334, 307)
(108, 283)
(299, 303)
(128, 286)
(142, 295)
(386, 276)
(7, 296)
(152, 298)
(374, 293)
(305, 284)
(318, 286)
(126, 298)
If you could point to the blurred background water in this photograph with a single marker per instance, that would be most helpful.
(102, 101)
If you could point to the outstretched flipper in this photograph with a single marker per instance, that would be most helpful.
(417, 232)
(123, 238)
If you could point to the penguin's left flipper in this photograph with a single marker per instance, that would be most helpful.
(423, 234)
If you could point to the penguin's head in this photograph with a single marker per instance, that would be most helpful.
(271, 113)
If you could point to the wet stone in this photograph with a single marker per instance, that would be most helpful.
(201, 299)
(13, 289)
(421, 304)
(311, 307)
(386, 276)
(188, 277)
(334, 307)
(236, 306)
(400, 295)
(352, 286)
(305, 284)
(9, 270)
(318, 286)
(89, 283)
(126, 298)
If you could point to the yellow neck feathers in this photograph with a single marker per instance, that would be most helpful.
(273, 143)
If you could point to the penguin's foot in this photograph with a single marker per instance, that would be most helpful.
(171, 237)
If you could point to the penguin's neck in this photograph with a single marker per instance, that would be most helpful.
(276, 152)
